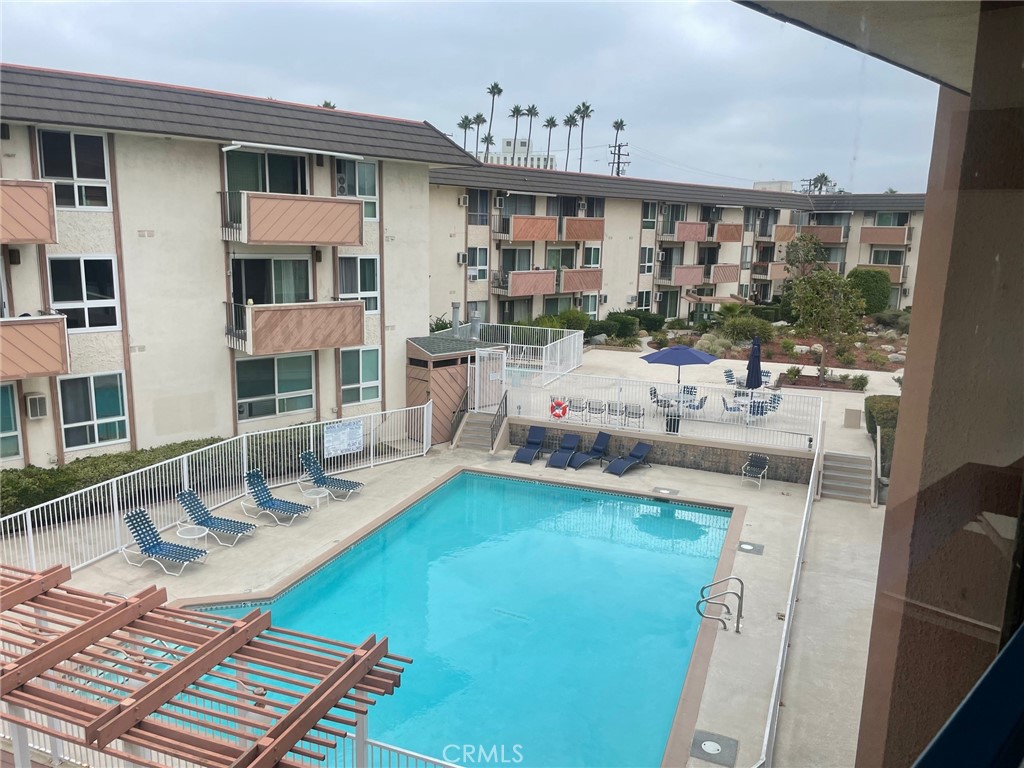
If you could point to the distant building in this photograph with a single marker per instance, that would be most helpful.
(525, 156)
(774, 186)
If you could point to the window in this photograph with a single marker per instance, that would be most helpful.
(358, 179)
(648, 214)
(360, 375)
(894, 297)
(358, 278)
(646, 260)
(515, 259)
(92, 410)
(643, 300)
(836, 254)
(270, 281)
(81, 160)
(249, 171)
(10, 438)
(892, 218)
(832, 219)
(589, 305)
(592, 256)
(746, 253)
(479, 206)
(84, 288)
(744, 290)
(519, 205)
(889, 257)
(710, 213)
(267, 386)
(477, 263)
(554, 305)
(515, 311)
(707, 254)
(595, 207)
(480, 307)
(561, 258)
(672, 213)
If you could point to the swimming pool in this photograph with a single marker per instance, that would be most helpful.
(552, 622)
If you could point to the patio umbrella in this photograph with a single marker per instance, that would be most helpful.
(679, 355)
(754, 365)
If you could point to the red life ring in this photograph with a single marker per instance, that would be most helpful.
(559, 409)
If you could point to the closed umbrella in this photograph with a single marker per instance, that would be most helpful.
(754, 365)
(679, 355)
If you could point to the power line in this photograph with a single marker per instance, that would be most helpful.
(617, 163)
(677, 164)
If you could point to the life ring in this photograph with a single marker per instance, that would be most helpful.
(559, 409)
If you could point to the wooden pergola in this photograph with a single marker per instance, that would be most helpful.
(134, 679)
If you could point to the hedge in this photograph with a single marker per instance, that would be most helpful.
(771, 314)
(746, 327)
(626, 326)
(882, 411)
(596, 327)
(649, 321)
(888, 442)
(873, 285)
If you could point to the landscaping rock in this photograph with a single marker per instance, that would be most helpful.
(800, 349)
(817, 348)
(780, 324)
(601, 338)
(891, 334)
(887, 348)
(870, 333)
(896, 357)
(859, 344)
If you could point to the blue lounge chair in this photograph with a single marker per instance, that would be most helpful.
(560, 457)
(637, 456)
(316, 477)
(152, 547)
(597, 451)
(198, 514)
(534, 444)
(265, 504)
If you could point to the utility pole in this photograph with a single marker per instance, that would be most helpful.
(617, 163)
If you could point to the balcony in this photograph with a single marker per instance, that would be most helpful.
(720, 232)
(32, 347)
(262, 218)
(524, 283)
(769, 270)
(680, 275)
(587, 280)
(886, 235)
(783, 233)
(581, 228)
(276, 329)
(525, 228)
(721, 273)
(827, 233)
(685, 232)
(27, 213)
(897, 272)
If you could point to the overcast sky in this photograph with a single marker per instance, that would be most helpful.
(711, 92)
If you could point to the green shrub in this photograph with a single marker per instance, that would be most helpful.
(547, 321)
(746, 327)
(784, 304)
(702, 327)
(844, 377)
(767, 353)
(888, 442)
(626, 326)
(659, 340)
(676, 324)
(574, 320)
(769, 313)
(816, 357)
(788, 346)
(439, 323)
(873, 285)
(597, 327)
(903, 322)
(793, 372)
(877, 359)
(887, 318)
(882, 411)
(649, 321)
(847, 359)
(859, 382)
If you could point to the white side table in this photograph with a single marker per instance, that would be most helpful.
(316, 493)
(193, 533)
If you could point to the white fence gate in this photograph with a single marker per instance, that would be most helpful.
(488, 380)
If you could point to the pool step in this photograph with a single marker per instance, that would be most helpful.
(476, 432)
(846, 476)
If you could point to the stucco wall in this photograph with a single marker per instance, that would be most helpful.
(447, 238)
(620, 254)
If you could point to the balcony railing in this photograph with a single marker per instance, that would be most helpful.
(886, 235)
(27, 212)
(32, 347)
(585, 280)
(525, 228)
(524, 282)
(827, 233)
(897, 272)
(581, 228)
(769, 270)
(260, 218)
(274, 329)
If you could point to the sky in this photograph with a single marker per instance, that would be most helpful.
(711, 92)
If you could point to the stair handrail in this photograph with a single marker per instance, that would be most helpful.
(706, 587)
(723, 622)
(707, 599)
(459, 413)
(499, 418)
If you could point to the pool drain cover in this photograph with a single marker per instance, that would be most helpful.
(714, 748)
(711, 747)
(750, 548)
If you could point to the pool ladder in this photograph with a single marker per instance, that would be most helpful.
(706, 599)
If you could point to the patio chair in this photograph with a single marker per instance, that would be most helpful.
(577, 407)
(774, 402)
(265, 504)
(755, 470)
(525, 454)
(315, 477)
(599, 450)
(637, 456)
(730, 377)
(766, 377)
(692, 408)
(731, 410)
(198, 514)
(152, 547)
(633, 413)
(595, 409)
(688, 390)
(616, 412)
(758, 410)
(560, 457)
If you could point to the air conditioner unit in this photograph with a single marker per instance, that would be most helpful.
(659, 296)
(761, 214)
(35, 404)
(631, 299)
(473, 277)
(604, 298)
(577, 301)
(581, 206)
(664, 210)
(461, 257)
(463, 201)
(662, 255)
(499, 203)
(906, 291)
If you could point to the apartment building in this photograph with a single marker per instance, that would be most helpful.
(515, 243)
(180, 263)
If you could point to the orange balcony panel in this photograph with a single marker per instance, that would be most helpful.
(531, 283)
(725, 273)
(535, 228)
(728, 233)
(692, 274)
(895, 271)
(783, 233)
(691, 231)
(581, 280)
(301, 220)
(581, 228)
(885, 235)
(827, 234)
(32, 347)
(276, 329)
(27, 213)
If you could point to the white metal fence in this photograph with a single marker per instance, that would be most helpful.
(753, 417)
(84, 526)
(552, 350)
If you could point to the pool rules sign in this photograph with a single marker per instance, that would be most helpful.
(342, 437)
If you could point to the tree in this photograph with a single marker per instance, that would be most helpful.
(478, 120)
(873, 285)
(551, 123)
(531, 112)
(584, 112)
(829, 306)
(805, 254)
(516, 112)
(619, 126)
(494, 91)
(465, 123)
(890, 191)
(726, 312)
(328, 104)
(488, 141)
(569, 122)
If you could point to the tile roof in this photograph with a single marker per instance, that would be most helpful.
(448, 345)
(52, 97)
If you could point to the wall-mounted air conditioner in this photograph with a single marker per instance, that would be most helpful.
(761, 214)
(577, 301)
(659, 296)
(463, 201)
(499, 203)
(906, 291)
(582, 206)
(35, 405)
(664, 209)
(604, 298)
(631, 299)
(473, 277)
(461, 257)
(662, 255)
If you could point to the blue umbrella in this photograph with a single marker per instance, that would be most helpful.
(754, 365)
(679, 355)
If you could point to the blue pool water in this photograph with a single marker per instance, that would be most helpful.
(554, 622)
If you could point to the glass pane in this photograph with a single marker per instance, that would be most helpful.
(350, 395)
(367, 275)
(75, 403)
(8, 418)
(112, 430)
(56, 151)
(294, 374)
(371, 365)
(348, 269)
(99, 279)
(346, 178)
(92, 197)
(301, 403)
(109, 397)
(349, 367)
(245, 171)
(371, 304)
(367, 180)
(66, 279)
(102, 317)
(283, 171)
(371, 393)
(76, 317)
(64, 195)
(291, 281)
(75, 436)
(257, 408)
(9, 446)
(369, 210)
(254, 378)
(89, 157)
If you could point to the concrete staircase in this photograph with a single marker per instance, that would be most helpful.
(846, 476)
(476, 431)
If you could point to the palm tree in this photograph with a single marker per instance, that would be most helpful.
(488, 141)
(619, 126)
(328, 104)
(551, 123)
(821, 182)
(531, 112)
(494, 90)
(465, 123)
(583, 111)
(478, 120)
(569, 122)
(516, 112)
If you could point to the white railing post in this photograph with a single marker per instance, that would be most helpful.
(245, 454)
(312, 438)
(30, 541)
(184, 472)
(19, 738)
(373, 441)
(428, 423)
(115, 505)
(360, 753)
